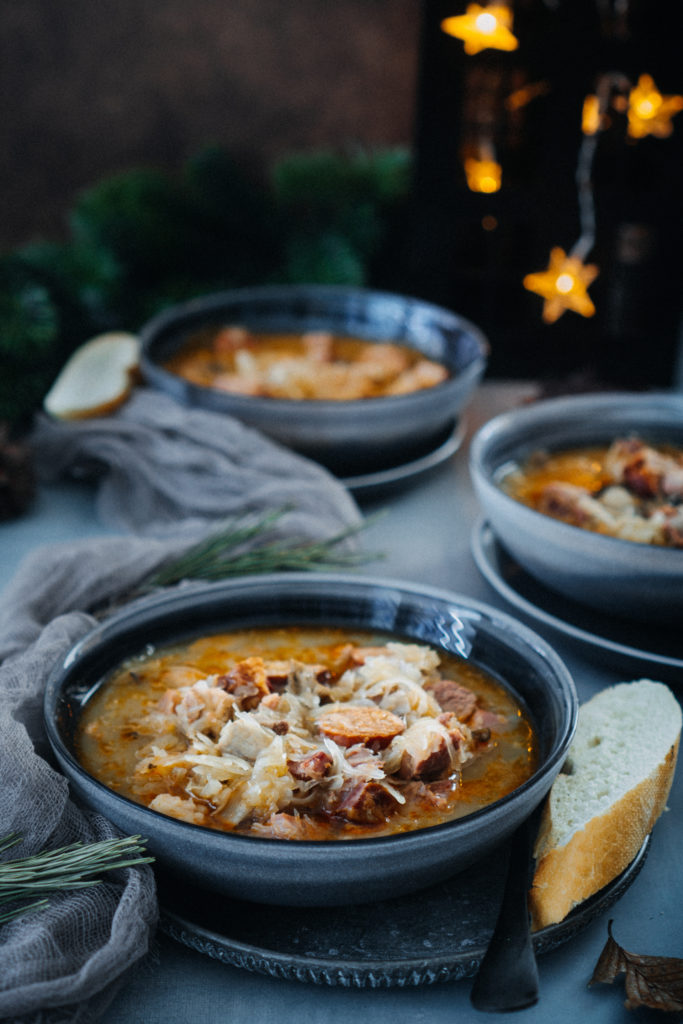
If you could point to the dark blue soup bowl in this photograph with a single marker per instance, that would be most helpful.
(349, 437)
(331, 872)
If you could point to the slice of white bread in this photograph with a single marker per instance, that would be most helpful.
(611, 790)
(96, 379)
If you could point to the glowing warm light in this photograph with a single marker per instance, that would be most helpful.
(483, 175)
(485, 23)
(563, 286)
(591, 118)
(483, 27)
(525, 94)
(650, 113)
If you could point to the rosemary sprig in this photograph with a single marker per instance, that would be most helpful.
(222, 554)
(69, 867)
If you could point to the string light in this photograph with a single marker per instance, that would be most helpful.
(483, 28)
(591, 118)
(563, 285)
(565, 282)
(650, 113)
(482, 170)
(525, 94)
(483, 175)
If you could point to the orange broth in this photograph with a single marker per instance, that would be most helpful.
(314, 365)
(115, 731)
(583, 467)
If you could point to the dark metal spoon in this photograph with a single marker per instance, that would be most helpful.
(507, 978)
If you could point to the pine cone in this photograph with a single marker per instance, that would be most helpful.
(16, 476)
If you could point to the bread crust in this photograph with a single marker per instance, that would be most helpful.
(597, 853)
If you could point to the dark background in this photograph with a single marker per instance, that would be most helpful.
(93, 87)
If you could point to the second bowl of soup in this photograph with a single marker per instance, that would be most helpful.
(358, 380)
(586, 493)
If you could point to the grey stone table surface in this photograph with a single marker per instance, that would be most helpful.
(424, 535)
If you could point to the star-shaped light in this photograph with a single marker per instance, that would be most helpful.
(482, 27)
(563, 286)
(650, 113)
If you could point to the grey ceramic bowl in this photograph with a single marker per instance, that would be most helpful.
(616, 576)
(348, 437)
(332, 872)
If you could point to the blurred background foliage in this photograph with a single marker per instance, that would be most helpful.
(144, 239)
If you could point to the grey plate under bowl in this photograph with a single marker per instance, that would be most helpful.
(368, 486)
(438, 934)
(624, 643)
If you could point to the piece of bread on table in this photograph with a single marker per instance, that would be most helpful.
(611, 790)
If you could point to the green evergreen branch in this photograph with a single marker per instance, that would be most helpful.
(69, 867)
(221, 555)
(142, 239)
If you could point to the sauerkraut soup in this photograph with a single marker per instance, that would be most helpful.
(628, 489)
(312, 365)
(306, 733)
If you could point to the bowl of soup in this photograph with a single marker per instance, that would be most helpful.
(586, 493)
(308, 739)
(358, 380)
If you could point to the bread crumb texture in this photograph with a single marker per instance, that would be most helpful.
(605, 801)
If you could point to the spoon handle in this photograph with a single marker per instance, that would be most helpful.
(507, 978)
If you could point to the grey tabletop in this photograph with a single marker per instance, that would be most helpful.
(425, 536)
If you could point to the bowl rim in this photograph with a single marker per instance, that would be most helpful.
(213, 301)
(157, 605)
(546, 410)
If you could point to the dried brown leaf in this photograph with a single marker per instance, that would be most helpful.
(611, 962)
(654, 981)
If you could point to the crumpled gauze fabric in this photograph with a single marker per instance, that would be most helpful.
(167, 475)
(162, 468)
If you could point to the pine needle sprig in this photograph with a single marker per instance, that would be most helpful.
(222, 554)
(70, 867)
